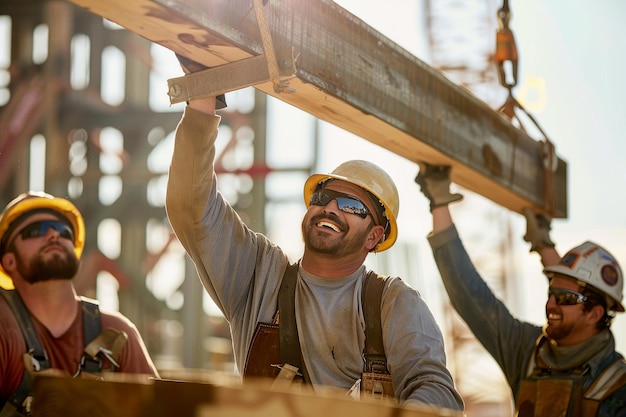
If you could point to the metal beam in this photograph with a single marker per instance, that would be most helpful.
(354, 77)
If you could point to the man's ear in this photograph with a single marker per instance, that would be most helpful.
(8, 261)
(375, 237)
(596, 313)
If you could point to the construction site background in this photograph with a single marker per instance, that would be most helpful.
(569, 80)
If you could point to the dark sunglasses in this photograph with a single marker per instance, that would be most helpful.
(41, 228)
(565, 297)
(345, 202)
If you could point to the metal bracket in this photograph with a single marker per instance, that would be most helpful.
(285, 377)
(229, 77)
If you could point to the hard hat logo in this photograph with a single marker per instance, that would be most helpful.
(609, 275)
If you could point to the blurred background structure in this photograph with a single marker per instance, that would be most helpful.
(84, 114)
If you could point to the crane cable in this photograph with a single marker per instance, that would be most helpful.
(506, 57)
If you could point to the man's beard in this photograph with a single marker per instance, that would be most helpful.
(56, 267)
(558, 332)
(330, 245)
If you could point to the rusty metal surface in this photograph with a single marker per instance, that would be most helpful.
(353, 77)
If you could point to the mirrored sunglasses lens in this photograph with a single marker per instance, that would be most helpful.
(66, 233)
(320, 199)
(352, 206)
(41, 228)
(31, 231)
(345, 202)
(567, 298)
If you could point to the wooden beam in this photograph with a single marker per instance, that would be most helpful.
(352, 76)
(127, 395)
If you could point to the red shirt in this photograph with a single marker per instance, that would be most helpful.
(64, 352)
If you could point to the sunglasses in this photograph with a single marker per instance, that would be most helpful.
(345, 202)
(565, 297)
(41, 228)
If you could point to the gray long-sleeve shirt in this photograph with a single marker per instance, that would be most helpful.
(242, 271)
(509, 340)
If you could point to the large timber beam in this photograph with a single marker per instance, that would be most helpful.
(205, 394)
(352, 76)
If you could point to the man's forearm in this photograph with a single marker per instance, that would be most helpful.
(442, 218)
(205, 105)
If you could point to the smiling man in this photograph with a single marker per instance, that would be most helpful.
(570, 366)
(308, 320)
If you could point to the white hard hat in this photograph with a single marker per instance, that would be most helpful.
(595, 267)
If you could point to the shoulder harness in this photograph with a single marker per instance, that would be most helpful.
(279, 346)
(91, 362)
(586, 401)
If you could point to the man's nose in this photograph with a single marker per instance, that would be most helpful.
(332, 206)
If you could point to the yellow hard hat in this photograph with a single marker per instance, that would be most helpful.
(31, 201)
(5, 281)
(372, 178)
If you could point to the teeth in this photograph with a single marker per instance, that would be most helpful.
(554, 316)
(329, 225)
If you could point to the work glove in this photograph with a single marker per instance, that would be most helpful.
(434, 182)
(190, 66)
(537, 230)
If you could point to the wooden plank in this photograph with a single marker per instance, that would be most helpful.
(353, 77)
(127, 396)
